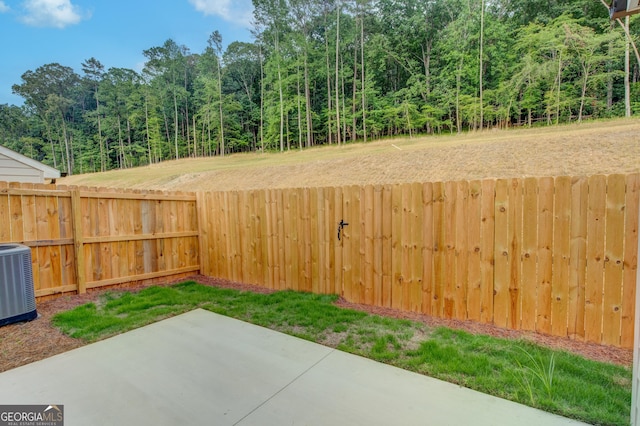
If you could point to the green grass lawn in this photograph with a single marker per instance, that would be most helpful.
(520, 371)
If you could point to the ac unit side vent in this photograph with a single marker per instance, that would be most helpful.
(17, 295)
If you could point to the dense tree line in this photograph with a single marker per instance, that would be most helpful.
(329, 72)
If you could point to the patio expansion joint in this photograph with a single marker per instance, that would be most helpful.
(284, 387)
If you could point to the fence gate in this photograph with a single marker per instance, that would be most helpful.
(362, 232)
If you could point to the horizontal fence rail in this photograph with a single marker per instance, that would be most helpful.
(551, 255)
(84, 238)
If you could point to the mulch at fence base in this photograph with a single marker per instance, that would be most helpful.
(24, 343)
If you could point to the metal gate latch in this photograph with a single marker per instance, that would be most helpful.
(341, 225)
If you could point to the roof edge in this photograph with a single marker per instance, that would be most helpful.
(49, 172)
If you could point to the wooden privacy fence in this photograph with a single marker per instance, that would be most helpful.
(83, 238)
(552, 255)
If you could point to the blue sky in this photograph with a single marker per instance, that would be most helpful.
(115, 32)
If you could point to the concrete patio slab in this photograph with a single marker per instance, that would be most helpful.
(201, 368)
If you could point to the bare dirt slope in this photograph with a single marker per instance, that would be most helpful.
(578, 149)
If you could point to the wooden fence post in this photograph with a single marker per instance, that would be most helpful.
(78, 240)
(203, 232)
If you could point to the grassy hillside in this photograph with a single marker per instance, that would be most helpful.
(578, 149)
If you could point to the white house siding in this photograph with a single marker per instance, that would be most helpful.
(15, 171)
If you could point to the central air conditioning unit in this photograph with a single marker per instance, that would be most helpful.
(17, 295)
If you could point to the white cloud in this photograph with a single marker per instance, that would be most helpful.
(3, 7)
(237, 11)
(51, 13)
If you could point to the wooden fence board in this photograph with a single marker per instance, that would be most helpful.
(53, 219)
(241, 219)
(115, 228)
(148, 225)
(368, 244)
(241, 235)
(387, 245)
(123, 263)
(138, 245)
(561, 255)
(226, 236)
(204, 227)
(29, 218)
(177, 256)
(328, 265)
(578, 257)
(474, 241)
(310, 217)
(515, 254)
(316, 228)
(406, 249)
(613, 259)
(291, 236)
(376, 217)
(261, 207)
(5, 218)
(16, 219)
(632, 204)
(545, 254)
(337, 244)
(461, 250)
(449, 247)
(31, 233)
(417, 247)
(154, 223)
(427, 248)
(396, 247)
(244, 263)
(594, 285)
(301, 244)
(345, 243)
(502, 255)
(130, 268)
(263, 201)
(356, 238)
(278, 239)
(231, 234)
(255, 233)
(285, 229)
(67, 256)
(209, 217)
(232, 225)
(298, 249)
(487, 250)
(529, 253)
(211, 242)
(272, 235)
(183, 222)
(79, 249)
(143, 260)
(437, 301)
(44, 253)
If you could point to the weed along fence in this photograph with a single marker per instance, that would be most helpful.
(83, 238)
(553, 255)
